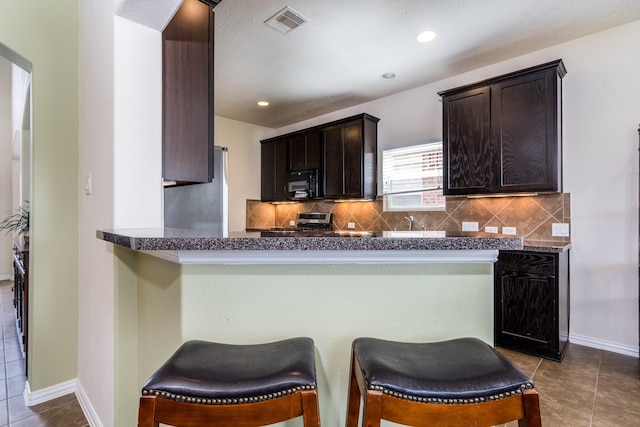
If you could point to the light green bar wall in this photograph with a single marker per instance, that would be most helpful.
(333, 304)
(45, 34)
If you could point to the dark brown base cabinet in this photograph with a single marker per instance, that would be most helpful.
(531, 297)
(21, 292)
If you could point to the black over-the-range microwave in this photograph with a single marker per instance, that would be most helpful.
(304, 184)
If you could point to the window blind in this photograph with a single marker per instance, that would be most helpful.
(412, 177)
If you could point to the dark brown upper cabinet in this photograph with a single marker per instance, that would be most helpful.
(187, 96)
(343, 153)
(504, 135)
(305, 151)
(350, 158)
(273, 172)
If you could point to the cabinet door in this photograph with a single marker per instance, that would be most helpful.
(466, 142)
(187, 65)
(305, 151)
(526, 303)
(333, 162)
(273, 171)
(525, 127)
(343, 160)
(352, 159)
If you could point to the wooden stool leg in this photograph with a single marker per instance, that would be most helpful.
(372, 409)
(531, 410)
(353, 403)
(146, 412)
(310, 408)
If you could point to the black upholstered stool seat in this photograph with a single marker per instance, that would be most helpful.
(447, 371)
(213, 373)
(456, 383)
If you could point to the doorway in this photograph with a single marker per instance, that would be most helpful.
(15, 145)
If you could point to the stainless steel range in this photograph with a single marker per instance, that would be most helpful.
(314, 220)
(313, 224)
(309, 221)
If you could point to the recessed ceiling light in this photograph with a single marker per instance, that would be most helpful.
(388, 75)
(426, 36)
(263, 103)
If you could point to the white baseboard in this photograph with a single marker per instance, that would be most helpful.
(49, 393)
(6, 277)
(87, 408)
(62, 389)
(604, 345)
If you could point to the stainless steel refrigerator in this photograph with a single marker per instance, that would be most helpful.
(203, 207)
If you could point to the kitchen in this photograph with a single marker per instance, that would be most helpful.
(600, 113)
(229, 259)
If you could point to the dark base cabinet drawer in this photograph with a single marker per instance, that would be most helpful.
(531, 298)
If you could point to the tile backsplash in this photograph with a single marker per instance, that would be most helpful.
(532, 216)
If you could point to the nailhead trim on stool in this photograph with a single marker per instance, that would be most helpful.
(235, 401)
(451, 401)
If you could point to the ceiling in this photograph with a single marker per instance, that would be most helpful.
(336, 59)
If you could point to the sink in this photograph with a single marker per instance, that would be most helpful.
(347, 233)
(416, 233)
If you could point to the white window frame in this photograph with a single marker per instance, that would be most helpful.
(410, 159)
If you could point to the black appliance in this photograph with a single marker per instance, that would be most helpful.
(304, 184)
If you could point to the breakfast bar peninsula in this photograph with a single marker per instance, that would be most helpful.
(175, 285)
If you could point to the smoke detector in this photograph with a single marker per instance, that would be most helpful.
(286, 20)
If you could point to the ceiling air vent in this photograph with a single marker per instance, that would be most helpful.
(212, 3)
(286, 20)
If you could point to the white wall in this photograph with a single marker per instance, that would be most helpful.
(15, 151)
(137, 126)
(243, 141)
(602, 114)
(21, 131)
(95, 211)
(601, 117)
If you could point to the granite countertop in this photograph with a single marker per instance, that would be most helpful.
(546, 246)
(169, 239)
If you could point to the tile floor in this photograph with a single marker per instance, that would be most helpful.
(61, 412)
(590, 388)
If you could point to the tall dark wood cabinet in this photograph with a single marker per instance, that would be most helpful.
(273, 170)
(504, 135)
(187, 97)
(21, 292)
(350, 158)
(531, 297)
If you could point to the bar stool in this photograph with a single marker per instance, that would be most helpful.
(460, 382)
(212, 384)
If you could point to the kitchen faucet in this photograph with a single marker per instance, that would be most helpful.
(410, 219)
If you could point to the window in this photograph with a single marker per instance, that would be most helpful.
(412, 177)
